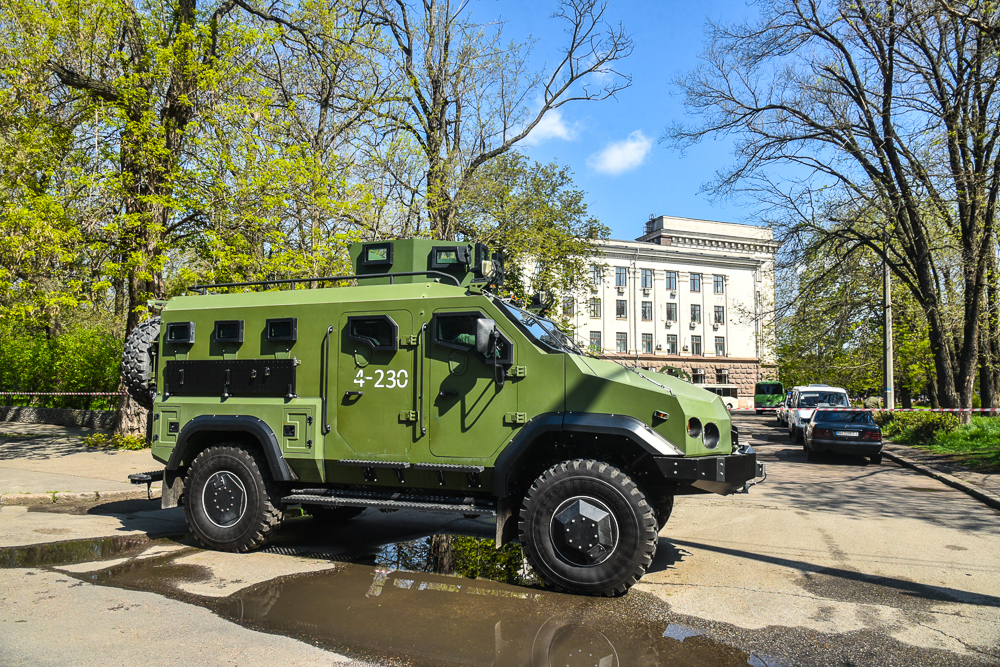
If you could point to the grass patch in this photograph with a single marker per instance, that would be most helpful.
(975, 445)
(105, 441)
(24, 436)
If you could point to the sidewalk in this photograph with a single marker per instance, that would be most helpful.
(44, 463)
(984, 486)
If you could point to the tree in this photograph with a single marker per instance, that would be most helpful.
(465, 98)
(878, 106)
(536, 217)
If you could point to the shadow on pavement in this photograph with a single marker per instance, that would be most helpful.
(904, 587)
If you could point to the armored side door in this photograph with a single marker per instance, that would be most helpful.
(376, 387)
(469, 414)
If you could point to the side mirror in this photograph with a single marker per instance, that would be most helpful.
(485, 331)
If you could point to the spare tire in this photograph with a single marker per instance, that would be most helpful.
(137, 361)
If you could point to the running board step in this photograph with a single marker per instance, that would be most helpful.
(395, 501)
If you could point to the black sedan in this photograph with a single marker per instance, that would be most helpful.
(844, 432)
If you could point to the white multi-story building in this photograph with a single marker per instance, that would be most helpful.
(694, 294)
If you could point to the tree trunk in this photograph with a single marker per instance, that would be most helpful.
(442, 559)
(905, 398)
(131, 418)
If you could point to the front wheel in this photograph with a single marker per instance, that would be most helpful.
(587, 528)
(232, 504)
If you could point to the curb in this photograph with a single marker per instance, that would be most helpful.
(981, 495)
(22, 499)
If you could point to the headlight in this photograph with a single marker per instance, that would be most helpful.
(711, 435)
(694, 427)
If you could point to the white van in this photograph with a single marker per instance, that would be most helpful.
(804, 401)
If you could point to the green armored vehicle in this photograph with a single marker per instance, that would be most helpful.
(414, 387)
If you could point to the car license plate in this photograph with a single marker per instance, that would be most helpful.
(847, 434)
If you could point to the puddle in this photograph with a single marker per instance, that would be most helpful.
(73, 551)
(440, 600)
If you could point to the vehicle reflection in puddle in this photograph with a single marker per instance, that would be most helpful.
(390, 605)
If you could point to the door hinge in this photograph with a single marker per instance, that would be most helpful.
(412, 339)
(517, 371)
(515, 418)
(407, 415)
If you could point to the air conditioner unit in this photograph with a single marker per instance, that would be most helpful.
(716, 326)
(693, 324)
(673, 294)
(645, 291)
(621, 289)
(659, 347)
(685, 348)
(670, 324)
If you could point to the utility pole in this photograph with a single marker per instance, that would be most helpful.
(889, 394)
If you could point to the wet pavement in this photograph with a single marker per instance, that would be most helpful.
(830, 563)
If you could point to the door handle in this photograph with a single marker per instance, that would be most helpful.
(447, 394)
(350, 394)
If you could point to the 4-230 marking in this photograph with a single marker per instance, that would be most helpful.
(385, 380)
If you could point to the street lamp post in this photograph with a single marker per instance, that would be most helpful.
(887, 384)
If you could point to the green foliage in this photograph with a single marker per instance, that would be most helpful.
(115, 441)
(976, 444)
(916, 428)
(83, 359)
(534, 214)
(480, 559)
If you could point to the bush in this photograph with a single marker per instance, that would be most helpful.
(84, 359)
(915, 428)
(104, 441)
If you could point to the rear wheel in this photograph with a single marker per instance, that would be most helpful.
(810, 453)
(587, 528)
(876, 459)
(232, 504)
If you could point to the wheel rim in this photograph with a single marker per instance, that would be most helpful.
(583, 531)
(224, 499)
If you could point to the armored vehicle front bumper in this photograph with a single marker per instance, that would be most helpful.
(724, 475)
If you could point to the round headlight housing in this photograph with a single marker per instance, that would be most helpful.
(712, 436)
(694, 427)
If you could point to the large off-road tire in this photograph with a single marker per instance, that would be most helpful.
(587, 528)
(137, 361)
(231, 502)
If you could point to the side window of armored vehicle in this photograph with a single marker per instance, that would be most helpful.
(283, 329)
(228, 331)
(379, 333)
(180, 333)
(458, 330)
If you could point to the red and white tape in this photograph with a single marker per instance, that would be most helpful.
(874, 409)
(60, 393)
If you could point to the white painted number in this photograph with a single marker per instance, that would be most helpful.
(392, 379)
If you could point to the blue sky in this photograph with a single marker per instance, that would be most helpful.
(613, 146)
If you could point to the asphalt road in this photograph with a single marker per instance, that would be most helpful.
(836, 562)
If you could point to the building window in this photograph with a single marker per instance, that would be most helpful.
(569, 306)
(647, 310)
(672, 280)
(720, 346)
(696, 313)
(695, 282)
(595, 307)
(722, 376)
(621, 276)
(621, 309)
(720, 314)
(698, 376)
(647, 278)
(671, 344)
(671, 312)
(719, 284)
(596, 274)
(595, 341)
(621, 342)
(696, 345)
(647, 343)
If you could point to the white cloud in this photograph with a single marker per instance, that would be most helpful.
(621, 156)
(551, 126)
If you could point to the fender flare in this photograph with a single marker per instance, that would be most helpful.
(576, 422)
(253, 426)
